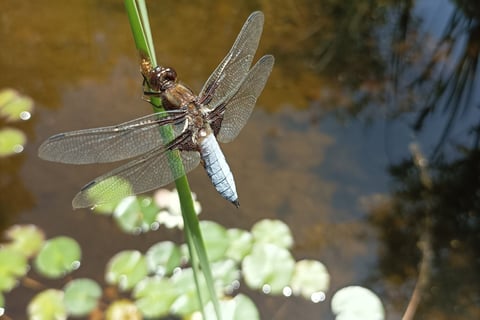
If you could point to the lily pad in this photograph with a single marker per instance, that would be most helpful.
(357, 303)
(13, 106)
(47, 305)
(154, 296)
(25, 239)
(13, 265)
(7, 95)
(126, 269)
(11, 141)
(226, 274)
(135, 214)
(240, 244)
(58, 257)
(163, 257)
(215, 238)
(268, 267)
(310, 279)
(187, 302)
(274, 232)
(123, 309)
(238, 308)
(81, 296)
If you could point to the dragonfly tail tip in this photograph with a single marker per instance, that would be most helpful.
(236, 203)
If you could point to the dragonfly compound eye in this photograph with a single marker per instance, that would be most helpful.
(169, 74)
(161, 78)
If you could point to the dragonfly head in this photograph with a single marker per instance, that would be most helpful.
(160, 78)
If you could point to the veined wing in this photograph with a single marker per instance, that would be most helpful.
(229, 74)
(112, 143)
(149, 172)
(240, 106)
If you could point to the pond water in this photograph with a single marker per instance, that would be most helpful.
(358, 92)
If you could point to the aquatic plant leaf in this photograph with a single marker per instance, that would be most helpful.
(123, 309)
(58, 256)
(135, 214)
(309, 277)
(154, 296)
(25, 239)
(268, 267)
(215, 239)
(14, 106)
(226, 274)
(240, 244)
(12, 141)
(126, 269)
(47, 305)
(238, 308)
(13, 265)
(163, 257)
(273, 232)
(187, 302)
(357, 303)
(81, 296)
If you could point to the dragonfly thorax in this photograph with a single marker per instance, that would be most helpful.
(162, 82)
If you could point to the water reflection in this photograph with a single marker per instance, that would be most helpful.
(435, 73)
(453, 204)
(433, 90)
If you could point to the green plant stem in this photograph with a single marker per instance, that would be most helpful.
(138, 17)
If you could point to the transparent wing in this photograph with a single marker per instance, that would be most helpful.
(240, 106)
(113, 143)
(149, 172)
(229, 74)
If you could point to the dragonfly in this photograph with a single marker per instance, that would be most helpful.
(189, 128)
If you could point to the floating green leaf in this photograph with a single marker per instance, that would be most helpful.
(47, 305)
(135, 215)
(238, 308)
(215, 239)
(81, 296)
(187, 301)
(11, 141)
(13, 106)
(123, 309)
(13, 265)
(58, 256)
(126, 269)
(240, 244)
(226, 274)
(310, 278)
(273, 232)
(268, 267)
(25, 239)
(163, 257)
(154, 296)
(357, 303)
(7, 95)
